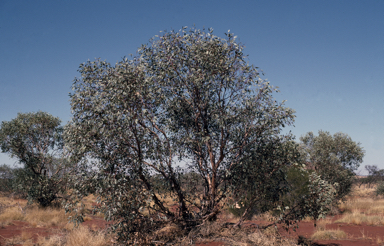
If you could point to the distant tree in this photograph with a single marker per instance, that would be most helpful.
(379, 189)
(6, 177)
(189, 98)
(334, 158)
(35, 140)
(375, 174)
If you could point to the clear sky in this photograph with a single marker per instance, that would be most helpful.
(327, 57)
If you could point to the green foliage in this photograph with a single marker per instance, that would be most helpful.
(259, 180)
(35, 140)
(13, 180)
(304, 194)
(298, 179)
(321, 196)
(309, 196)
(188, 99)
(380, 189)
(6, 178)
(334, 158)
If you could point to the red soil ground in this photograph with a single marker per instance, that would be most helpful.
(9, 233)
(358, 235)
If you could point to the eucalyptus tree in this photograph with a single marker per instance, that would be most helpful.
(188, 105)
(375, 175)
(333, 157)
(35, 139)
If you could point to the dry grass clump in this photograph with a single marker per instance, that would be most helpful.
(321, 224)
(81, 236)
(10, 214)
(11, 209)
(366, 205)
(376, 208)
(268, 238)
(54, 240)
(379, 240)
(24, 239)
(363, 191)
(358, 219)
(14, 241)
(35, 216)
(46, 217)
(217, 232)
(307, 219)
(267, 216)
(167, 233)
(354, 204)
(169, 229)
(17, 209)
(328, 235)
(322, 233)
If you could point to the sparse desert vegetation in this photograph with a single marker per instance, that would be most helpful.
(364, 205)
(358, 218)
(182, 144)
(361, 211)
(18, 209)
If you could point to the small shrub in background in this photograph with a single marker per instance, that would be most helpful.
(375, 175)
(6, 176)
(380, 189)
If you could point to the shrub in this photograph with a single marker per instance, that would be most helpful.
(334, 158)
(10, 178)
(380, 189)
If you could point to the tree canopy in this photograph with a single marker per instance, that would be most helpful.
(375, 175)
(35, 140)
(334, 157)
(186, 119)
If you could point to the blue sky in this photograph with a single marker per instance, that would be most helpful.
(327, 57)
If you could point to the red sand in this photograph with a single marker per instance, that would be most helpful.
(358, 235)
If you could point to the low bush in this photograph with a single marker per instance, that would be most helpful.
(328, 235)
(380, 189)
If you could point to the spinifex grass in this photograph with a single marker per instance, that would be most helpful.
(17, 210)
(81, 236)
(322, 233)
(328, 235)
(211, 232)
(321, 224)
(46, 217)
(364, 205)
(10, 214)
(363, 191)
(358, 219)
